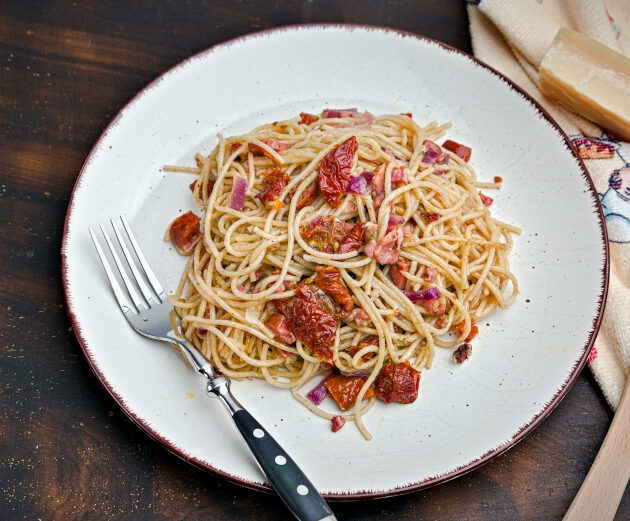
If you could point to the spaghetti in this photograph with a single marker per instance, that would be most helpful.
(342, 243)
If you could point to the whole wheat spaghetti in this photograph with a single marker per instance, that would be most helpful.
(345, 245)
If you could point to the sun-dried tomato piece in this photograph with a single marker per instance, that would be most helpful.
(305, 292)
(210, 186)
(462, 353)
(325, 233)
(345, 390)
(473, 329)
(328, 279)
(307, 118)
(312, 325)
(373, 341)
(458, 149)
(273, 185)
(397, 383)
(307, 196)
(354, 239)
(334, 171)
(185, 233)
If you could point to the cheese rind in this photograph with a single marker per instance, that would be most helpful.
(588, 78)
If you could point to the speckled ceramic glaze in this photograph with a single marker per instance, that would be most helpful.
(524, 358)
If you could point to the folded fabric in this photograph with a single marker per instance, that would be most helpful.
(513, 37)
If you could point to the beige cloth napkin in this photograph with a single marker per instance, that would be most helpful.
(513, 36)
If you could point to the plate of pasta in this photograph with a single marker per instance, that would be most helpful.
(394, 253)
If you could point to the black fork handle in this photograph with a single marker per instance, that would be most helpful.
(291, 484)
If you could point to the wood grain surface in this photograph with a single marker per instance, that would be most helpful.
(66, 450)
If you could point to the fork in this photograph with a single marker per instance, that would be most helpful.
(148, 315)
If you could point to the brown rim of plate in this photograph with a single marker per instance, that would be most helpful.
(368, 494)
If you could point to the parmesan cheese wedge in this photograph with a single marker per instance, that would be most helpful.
(588, 78)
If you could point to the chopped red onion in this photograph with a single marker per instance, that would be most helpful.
(357, 185)
(320, 391)
(237, 198)
(368, 176)
(430, 156)
(425, 294)
(444, 160)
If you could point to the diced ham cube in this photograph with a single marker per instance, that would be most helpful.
(396, 272)
(436, 307)
(337, 422)
(485, 199)
(429, 274)
(277, 324)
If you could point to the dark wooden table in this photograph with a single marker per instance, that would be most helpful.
(66, 450)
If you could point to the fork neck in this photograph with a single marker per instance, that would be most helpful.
(220, 387)
(194, 357)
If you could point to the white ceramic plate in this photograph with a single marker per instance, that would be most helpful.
(525, 358)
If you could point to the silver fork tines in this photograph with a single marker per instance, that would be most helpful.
(144, 289)
(139, 303)
(122, 300)
(153, 280)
